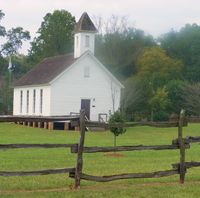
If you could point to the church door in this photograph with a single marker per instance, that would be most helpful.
(85, 104)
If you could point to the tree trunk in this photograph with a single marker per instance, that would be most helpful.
(115, 140)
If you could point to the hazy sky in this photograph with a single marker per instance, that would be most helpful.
(153, 16)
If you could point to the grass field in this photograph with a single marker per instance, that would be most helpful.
(96, 164)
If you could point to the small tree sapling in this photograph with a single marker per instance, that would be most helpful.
(116, 118)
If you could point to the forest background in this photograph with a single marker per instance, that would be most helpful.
(161, 75)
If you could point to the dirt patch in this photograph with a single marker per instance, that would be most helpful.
(114, 154)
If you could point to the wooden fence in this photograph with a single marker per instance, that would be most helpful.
(77, 173)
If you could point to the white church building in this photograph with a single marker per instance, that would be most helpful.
(62, 85)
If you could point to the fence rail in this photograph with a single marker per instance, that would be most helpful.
(17, 146)
(127, 176)
(133, 124)
(191, 139)
(37, 172)
(128, 148)
(187, 165)
(194, 119)
(188, 139)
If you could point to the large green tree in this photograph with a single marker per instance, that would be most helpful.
(55, 36)
(185, 45)
(157, 69)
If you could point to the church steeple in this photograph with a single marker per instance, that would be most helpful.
(84, 37)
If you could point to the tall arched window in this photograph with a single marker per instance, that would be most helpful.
(41, 101)
(27, 101)
(34, 100)
(21, 101)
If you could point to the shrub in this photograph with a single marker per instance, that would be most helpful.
(116, 118)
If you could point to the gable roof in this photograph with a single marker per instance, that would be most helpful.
(50, 69)
(46, 70)
(85, 24)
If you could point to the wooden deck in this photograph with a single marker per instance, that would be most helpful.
(11, 118)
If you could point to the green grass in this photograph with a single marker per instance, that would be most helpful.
(96, 164)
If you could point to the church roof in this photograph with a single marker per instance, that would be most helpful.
(85, 24)
(50, 68)
(46, 70)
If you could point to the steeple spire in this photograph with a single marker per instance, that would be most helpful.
(85, 24)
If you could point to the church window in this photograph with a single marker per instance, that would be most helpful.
(21, 101)
(87, 41)
(27, 101)
(34, 100)
(41, 100)
(86, 72)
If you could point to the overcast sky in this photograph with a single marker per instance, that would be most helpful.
(153, 16)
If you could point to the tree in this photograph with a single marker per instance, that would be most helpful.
(159, 104)
(55, 36)
(185, 45)
(6, 95)
(157, 68)
(3, 66)
(134, 99)
(191, 98)
(175, 89)
(14, 39)
(116, 118)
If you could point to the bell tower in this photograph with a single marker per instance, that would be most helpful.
(84, 37)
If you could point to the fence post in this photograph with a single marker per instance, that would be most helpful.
(182, 169)
(79, 164)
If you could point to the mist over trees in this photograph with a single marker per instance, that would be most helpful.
(118, 45)
(160, 75)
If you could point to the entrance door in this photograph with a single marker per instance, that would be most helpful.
(85, 104)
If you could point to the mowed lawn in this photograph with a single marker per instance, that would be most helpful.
(60, 185)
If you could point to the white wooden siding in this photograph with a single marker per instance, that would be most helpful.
(68, 90)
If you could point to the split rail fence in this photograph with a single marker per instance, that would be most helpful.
(77, 173)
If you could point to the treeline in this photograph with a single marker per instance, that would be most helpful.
(161, 75)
